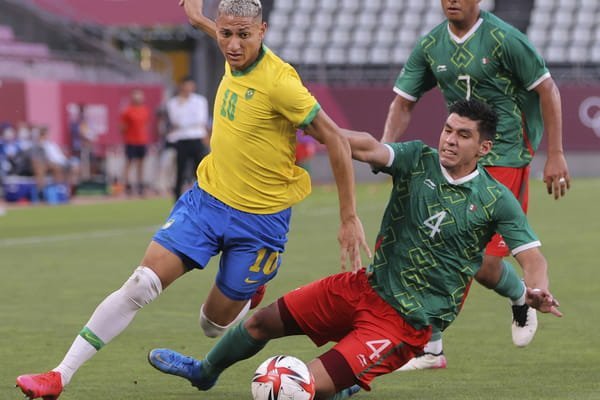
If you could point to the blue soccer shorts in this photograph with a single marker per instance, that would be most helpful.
(200, 226)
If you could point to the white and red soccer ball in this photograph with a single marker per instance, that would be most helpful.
(283, 378)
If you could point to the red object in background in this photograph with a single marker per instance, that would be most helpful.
(135, 120)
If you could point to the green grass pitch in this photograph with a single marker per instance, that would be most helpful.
(58, 263)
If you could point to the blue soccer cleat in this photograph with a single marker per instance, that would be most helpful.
(174, 363)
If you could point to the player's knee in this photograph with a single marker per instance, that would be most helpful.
(143, 286)
(212, 329)
(485, 280)
(259, 325)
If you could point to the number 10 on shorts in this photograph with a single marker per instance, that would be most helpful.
(266, 260)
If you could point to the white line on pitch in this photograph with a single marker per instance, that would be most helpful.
(73, 236)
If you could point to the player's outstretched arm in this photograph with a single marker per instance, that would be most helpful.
(367, 149)
(556, 171)
(351, 234)
(193, 9)
(397, 119)
(535, 274)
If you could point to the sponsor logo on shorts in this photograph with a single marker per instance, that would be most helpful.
(168, 224)
(250, 281)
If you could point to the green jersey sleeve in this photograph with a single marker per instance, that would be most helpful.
(416, 77)
(406, 156)
(522, 59)
(512, 224)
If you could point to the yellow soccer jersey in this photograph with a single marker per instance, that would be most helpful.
(257, 111)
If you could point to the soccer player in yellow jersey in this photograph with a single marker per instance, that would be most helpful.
(241, 205)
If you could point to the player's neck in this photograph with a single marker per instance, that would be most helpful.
(461, 28)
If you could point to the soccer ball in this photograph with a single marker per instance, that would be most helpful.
(283, 378)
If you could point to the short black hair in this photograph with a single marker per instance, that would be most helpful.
(482, 113)
(187, 78)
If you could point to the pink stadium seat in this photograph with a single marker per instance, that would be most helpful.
(6, 34)
(21, 49)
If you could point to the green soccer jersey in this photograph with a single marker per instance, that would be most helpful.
(433, 232)
(494, 63)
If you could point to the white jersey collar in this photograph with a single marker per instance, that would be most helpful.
(467, 35)
(459, 181)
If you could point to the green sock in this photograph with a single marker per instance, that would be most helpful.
(234, 346)
(436, 334)
(510, 284)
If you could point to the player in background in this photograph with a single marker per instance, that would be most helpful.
(241, 206)
(474, 54)
(134, 127)
(442, 211)
(189, 121)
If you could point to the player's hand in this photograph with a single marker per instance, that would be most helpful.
(556, 175)
(543, 301)
(352, 239)
(191, 7)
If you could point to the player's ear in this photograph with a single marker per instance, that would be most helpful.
(484, 147)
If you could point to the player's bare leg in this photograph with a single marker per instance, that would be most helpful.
(159, 268)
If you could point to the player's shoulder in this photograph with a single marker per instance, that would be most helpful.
(435, 34)
(415, 150)
(508, 32)
(278, 69)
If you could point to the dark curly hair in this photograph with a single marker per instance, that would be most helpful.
(478, 111)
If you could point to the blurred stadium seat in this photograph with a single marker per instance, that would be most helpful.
(388, 28)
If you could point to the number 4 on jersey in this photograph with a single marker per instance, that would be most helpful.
(434, 222)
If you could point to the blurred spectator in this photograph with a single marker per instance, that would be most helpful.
(168, 154)
(134, 127)
(82, 140)
(24, 135)
(47, 158)
(188, 115)
(77, 128)
(16, 158)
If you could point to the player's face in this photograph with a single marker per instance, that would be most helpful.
(461, 12)
(187, 87)
(137, 97)
(460, 146)
(240, 39)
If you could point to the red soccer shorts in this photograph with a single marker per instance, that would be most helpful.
(371, 336)
(517, 180)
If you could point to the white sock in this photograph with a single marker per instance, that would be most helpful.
(521, 300)
(80, 352)
(110, 318)
(434, 347)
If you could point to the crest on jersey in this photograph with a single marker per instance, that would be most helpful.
(472, 208)
(485, 60)
(249, 94)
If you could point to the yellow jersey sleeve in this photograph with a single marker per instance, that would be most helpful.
(293, 100)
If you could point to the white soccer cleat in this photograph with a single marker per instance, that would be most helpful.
(425, 361)
(524, 325)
